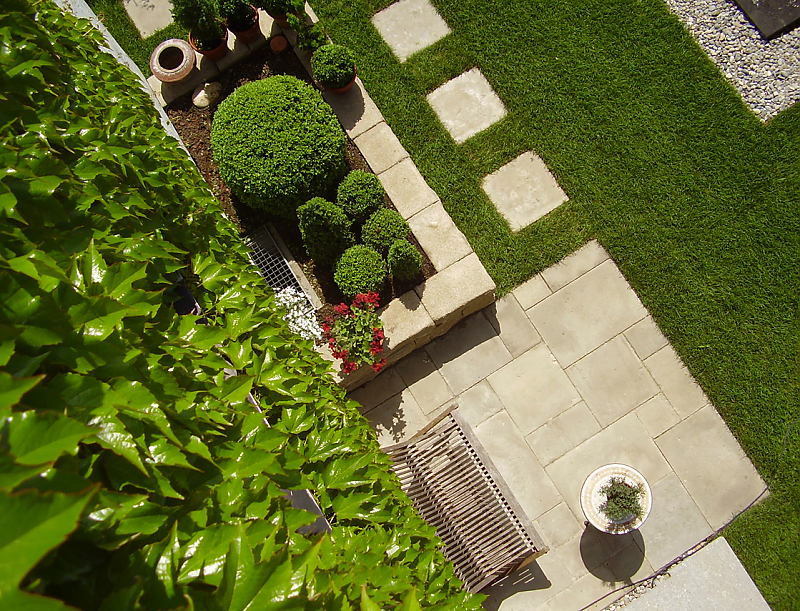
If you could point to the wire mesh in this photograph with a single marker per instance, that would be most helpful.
(268, 258)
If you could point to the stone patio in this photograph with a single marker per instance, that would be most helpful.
(523, 190)
(565, 374)
(409, 26)
(467, 105)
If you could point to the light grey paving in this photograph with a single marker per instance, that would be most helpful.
(409, 26)
(407, 189)
(530, 587)
(397, 419)
(439, 237)
(645, 337)
(587, 313)
(558, 525)
(149, 16)
(578, 423)
(534, 389)
(512, 325)
(626, 441)
(532, 291)
(712, 465)
(467, 105)
(423, 379)
(549, 442)
(380, 147)
(585, 590)
(675, 523)
(575, 265)
(478, 402)
(612, 380)
(678, 385)
(373, 393)
(657, 415)
(468, 352)
(710, 580)
(356, 111)
(523, 190)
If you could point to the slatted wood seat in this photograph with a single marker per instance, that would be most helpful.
(456, 488)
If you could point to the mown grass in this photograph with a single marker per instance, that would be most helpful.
(695, 199)
(115, 18)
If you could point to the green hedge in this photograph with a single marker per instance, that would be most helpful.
(278, 144)
(134, 475)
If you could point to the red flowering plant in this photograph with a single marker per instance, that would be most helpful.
(355, 335)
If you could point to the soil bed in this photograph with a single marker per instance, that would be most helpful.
(194, 126)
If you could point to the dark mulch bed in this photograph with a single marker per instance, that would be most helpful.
(194, 126)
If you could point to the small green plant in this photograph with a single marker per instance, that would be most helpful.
(202, 19)
(355, 334)
(334, 66)
(325, 229)
(238, 13)
(405, 261)
(383, 228)
(360, 194)
(622, 500)
(309, 37)
(281, 7)
(278, 144)
(360, 270)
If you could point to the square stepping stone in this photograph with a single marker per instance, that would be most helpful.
(149, 17)
(409, 26)
(467, 105)
(523, 190)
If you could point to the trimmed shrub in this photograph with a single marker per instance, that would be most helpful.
(239, 14)
(360, 270)
(201, 18)
(278, 144)
(325, 230)
(405, 261)
(360, 194)
(281, 7)
(333, 66)
(383, 228)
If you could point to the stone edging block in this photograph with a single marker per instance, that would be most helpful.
(407, 189)
(439, 237)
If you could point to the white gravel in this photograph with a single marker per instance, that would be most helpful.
(766, 73)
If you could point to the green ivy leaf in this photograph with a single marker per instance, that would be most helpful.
(36, 438)
(366, 601)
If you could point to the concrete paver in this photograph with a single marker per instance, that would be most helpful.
(380, 147)
(645, 337)
(578, 423)
(409, 26)
(423, 379)
(373, 393)
(558, 525)
(148, 16)
(467, 105)
(397, 419)
(612, 380)
(439, 237)
(478, 402)
(512, 325)
(532, 291)
(356, 111)
(407, 189)
(523, 190)
(683, 392)
(575, 265)
(549, 442)
(657, 415)
(587, 313)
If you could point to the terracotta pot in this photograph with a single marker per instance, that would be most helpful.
(214, 54)
(172, 61)
(252, 33)
(344, 89)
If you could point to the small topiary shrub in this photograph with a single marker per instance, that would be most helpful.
(278, 144)
(239, 14)
(383, 228)
(333, 66)
(360, 194)
(405, 261)
(325, 229)
(281, 7)
(201, 18)
(360, 270)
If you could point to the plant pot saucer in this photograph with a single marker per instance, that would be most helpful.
(591, 498)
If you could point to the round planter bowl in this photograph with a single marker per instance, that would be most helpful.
(172, 61)
(591, 498)
(214, 54)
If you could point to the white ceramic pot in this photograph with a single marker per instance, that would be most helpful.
(592, 498)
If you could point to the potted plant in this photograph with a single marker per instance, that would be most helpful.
(241, 18)
(616, 499)
(334, 68)
(207, 35)
(280, 9)
(310, 37)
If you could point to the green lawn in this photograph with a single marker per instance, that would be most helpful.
(695, 199)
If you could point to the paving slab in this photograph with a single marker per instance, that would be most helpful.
(709, 580)
(439, 237)
(575, 265)
(508, 451)
(529, 587)
(523, 190)
(409, 26)
(356, 111)
(678, 385)
(478, 402)
(467, 105)
(534, 388)
(397, 419)
(375, 392)
(626, 441)
(423, 379)
(404, 320)
(149, 16)
(512, 325)
(645, 337)
(407, 189)
(612, 380)
(380, 147)
(531, 292)
(657, 415)
(578, 423)
(675, 523)
(469, 352)
(587, 313)
(712, 465)
(585, 590)
(558, 525)
(549, 442)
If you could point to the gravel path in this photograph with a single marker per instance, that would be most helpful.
(766, 73)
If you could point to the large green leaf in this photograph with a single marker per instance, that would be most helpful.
(39, 437)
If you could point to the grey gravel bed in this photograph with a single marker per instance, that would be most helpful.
(766, 73)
